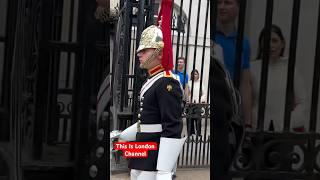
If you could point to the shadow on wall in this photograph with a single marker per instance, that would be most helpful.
(4, 167)
(4, 125)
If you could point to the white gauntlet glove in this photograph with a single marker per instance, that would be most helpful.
(169, 150)
(130, 133)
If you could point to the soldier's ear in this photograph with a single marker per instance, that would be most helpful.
(160, 55)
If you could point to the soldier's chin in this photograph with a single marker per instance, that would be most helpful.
(142, 66)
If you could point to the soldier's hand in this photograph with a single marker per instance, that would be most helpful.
(121, 140)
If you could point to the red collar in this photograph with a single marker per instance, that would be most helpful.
(155, 70)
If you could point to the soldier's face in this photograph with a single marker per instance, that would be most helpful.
(145, 62)
(227, 11)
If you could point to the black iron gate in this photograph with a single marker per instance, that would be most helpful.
(284, 154)
(55, 57)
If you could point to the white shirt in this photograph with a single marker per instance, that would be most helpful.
(276, 94)
(196, 92)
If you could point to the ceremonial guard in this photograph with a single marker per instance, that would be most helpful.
(159, 116)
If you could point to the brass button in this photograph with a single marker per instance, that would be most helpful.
(138, 126)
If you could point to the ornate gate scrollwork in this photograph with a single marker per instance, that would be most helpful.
(288, 153)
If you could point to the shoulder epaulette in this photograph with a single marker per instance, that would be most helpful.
(167, 74)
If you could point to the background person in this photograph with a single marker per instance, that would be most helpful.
(276, 85)
(226, 35)
(194, 123)
(275, 98)
(183, 76)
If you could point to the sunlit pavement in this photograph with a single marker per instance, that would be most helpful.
(182, 174)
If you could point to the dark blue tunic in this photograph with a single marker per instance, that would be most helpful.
(160, 104)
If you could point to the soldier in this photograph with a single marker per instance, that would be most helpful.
(159, 116)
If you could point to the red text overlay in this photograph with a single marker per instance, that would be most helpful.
(135, 149)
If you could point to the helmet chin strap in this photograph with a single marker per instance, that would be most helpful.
(150, 58)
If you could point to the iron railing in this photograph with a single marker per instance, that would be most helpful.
(283, 154)
(54, 61)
